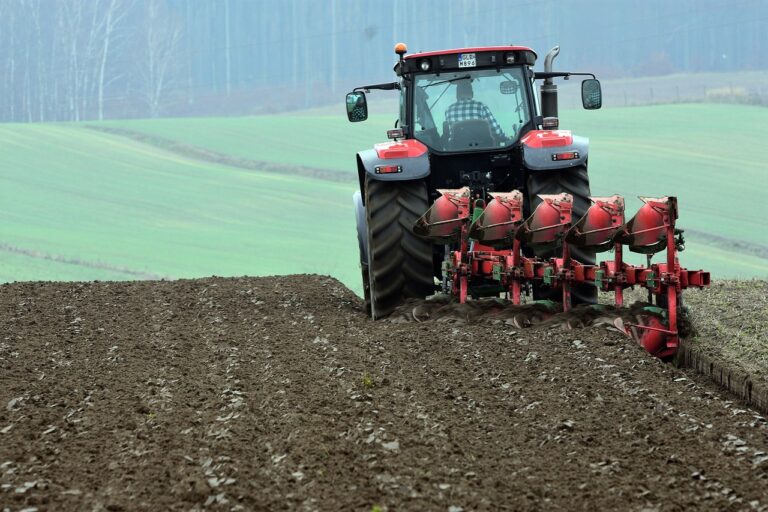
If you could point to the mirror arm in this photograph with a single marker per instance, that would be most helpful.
(382, 87)
(539, 75)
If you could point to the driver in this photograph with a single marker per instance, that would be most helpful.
(467, 109)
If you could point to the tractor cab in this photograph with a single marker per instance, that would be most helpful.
(471, 99)
(470, 110)
(477, 99)
(468, 118)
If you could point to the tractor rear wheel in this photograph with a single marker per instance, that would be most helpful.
(574, 181)
(366, 288)
(399, 262)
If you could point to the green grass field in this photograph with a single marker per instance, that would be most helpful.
(75, 194)
(113, 205)
(700, 152)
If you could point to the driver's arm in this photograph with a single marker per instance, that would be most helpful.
(494, 123)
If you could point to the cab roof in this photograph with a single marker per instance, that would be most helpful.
(477, 49)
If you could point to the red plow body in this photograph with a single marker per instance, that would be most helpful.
(489, 240)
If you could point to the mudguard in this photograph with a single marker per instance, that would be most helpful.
(545, 150)
(362, 227)
(394, 161)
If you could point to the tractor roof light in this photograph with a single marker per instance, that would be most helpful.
(401, 49)
(550, 123)
(425, 64)
(510, 58)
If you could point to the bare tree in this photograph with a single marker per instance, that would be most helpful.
(227, 50)
(70, 23)
(162, 36)
(116, 12)
(10, 67)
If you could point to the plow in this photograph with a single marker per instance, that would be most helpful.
(481, 194)
(490, 237)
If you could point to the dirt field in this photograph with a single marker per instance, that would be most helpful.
(279, 394)
(732, 325)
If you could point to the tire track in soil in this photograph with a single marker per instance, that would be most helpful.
(277, 393)
(207, 155)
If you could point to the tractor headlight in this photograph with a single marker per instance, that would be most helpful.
(425, 64)
(510, 58)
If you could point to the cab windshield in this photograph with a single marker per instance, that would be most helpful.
(470, 110)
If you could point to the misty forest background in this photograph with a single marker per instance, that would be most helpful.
(70, 60)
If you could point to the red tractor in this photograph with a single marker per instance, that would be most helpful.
(481, 193)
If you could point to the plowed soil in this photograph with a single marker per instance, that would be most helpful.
(279, 394)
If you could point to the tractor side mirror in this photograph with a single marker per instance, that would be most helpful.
(591, 94)
(508, 87)
(357, 107)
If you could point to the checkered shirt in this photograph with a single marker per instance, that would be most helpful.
(469, 110)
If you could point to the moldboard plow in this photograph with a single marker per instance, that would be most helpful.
(490, 258)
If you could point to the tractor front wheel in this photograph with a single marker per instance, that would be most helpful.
(399, 262)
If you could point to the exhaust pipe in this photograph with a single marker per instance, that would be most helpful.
(548, 88)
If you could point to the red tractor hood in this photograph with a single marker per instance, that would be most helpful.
(408, 148)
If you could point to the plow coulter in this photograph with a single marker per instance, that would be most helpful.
(488, 256)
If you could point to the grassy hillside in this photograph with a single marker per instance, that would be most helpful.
(77, 204)
(700, 152)
(81, 204)
(326, 142)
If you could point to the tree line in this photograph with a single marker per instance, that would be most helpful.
(71, 60)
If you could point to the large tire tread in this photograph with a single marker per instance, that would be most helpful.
(400, 263)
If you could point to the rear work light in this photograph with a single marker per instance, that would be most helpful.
(388, 169)
(568, 155)
(550, 123)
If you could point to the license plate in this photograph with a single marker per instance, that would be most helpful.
(467, 60)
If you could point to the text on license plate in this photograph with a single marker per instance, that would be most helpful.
(467, 60)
